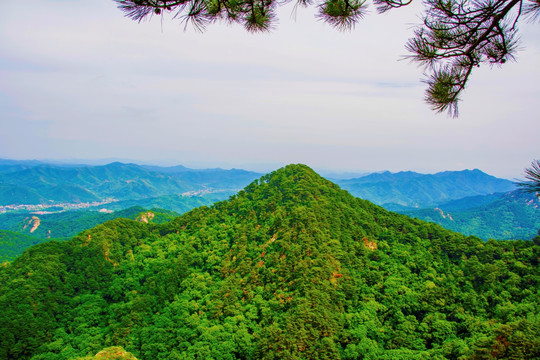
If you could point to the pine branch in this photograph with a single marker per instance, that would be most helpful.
(455, 36)
(532, 174)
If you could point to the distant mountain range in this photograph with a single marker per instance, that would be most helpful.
(468, 201)
(36, 183)
(33, 182)
(414, 190)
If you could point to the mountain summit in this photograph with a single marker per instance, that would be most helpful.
(292, 267)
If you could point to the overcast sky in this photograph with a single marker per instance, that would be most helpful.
(80, 81)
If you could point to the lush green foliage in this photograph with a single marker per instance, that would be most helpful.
(12, 244)
(70, 223)
(111, 353)
(62, 225)
(290, 268)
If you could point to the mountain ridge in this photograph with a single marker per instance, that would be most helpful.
(292, 267)
(165, 187)
(46, 183)
(414, 189)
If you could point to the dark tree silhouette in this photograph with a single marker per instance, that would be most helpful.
(455, 35)
(532, 174)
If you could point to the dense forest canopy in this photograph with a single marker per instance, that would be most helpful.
(292, 267)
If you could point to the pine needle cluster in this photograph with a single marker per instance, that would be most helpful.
(455, 36)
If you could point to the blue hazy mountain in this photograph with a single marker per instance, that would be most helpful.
(411, 189)
(513, 215)
(45, 183)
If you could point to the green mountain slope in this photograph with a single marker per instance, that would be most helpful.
(515, 215)
(411, 189)
(26, 230)
(292, 267)
(16, 194)
(63, 224)
(12, 244)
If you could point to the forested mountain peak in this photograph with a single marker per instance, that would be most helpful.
(292, 267)
(294, 178)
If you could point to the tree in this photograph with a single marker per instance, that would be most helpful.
(532, 174)
(455, 35)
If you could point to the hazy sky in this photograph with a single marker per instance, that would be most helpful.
(78, 80)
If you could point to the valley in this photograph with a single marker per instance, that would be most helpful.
(52, 208)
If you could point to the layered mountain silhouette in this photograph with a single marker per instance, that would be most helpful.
(45, 183)
(413, 190)
(292, 267)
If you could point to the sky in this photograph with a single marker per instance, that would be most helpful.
(78, 80)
